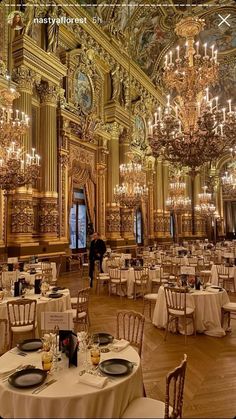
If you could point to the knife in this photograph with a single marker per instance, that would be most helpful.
(43, 386)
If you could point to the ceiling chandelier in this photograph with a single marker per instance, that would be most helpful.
(205, 206)
(177, 201)
(228, 180)
(198, 131)
(16, 167)
(133, 189)
(130, 194)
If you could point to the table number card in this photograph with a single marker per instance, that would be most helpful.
(50, 320)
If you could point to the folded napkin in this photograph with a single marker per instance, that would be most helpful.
(119, 345)
(93, 380)
(213, 289)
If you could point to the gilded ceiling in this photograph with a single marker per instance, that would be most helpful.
(151, 28)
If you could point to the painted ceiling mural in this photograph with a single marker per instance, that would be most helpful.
(152, 33)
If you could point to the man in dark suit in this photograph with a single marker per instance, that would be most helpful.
(97, 250)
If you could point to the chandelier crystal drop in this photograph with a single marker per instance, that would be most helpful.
(17, 168)
(205, 206)
(196, 130)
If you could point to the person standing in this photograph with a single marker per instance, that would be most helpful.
(97, 250)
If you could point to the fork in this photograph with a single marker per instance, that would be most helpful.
(9, 372)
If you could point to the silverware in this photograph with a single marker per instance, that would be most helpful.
(43, 386)
(9, 372)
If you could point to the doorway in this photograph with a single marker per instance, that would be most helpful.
(78, 222)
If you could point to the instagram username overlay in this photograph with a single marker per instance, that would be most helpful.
(16, 20)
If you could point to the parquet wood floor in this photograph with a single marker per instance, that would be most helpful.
(210, 385)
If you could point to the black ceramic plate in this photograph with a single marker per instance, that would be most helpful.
(55, 289)
(29, 345)
(102, 338)
(116, 366)
(55, 295)
(216, 287)
(27, 378)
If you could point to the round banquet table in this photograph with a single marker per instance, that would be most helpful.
(43, 304)
(67, 397)
(207, 307)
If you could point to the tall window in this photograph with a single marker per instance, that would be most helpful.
(138, 228)
(78, 221)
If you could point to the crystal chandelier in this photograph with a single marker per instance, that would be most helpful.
(228, 180)
(198, 131)
(16, 167)
(205, 206)
(130, 194)
(177, 201)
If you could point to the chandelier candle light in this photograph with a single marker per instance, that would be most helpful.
(205, 206)
(16, 167)
(196, 130)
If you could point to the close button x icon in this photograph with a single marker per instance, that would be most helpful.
(224, 20)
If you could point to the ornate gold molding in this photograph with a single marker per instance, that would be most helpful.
(25, 78)
(48, 93)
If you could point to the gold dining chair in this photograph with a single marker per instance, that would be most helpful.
(81, 312)
(3, 331)
(118, 283)
(176, 306)
(144, 407)
(130, 326)
(21, 317)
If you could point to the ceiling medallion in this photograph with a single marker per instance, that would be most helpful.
(197, 130)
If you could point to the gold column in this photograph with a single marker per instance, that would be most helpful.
(101, 190)
(113, 221)
(165, 167)
(126, 214)
(158, 200)
(20, 205)
(48, 214)
(150, 203)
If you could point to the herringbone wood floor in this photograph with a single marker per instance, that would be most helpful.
(210, 385)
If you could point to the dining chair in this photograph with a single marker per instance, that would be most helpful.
(81, 312)
(229, 310)
(103, 280)
(144, 407)
(149, 300)
(141, 281)
(130, 326)
(21, 317)
(225, 278)
(116, 282)
(176, 306)
(3, 332)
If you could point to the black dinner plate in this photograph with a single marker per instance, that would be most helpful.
(29, 345)
(30, 377)
(116, 366)
(55, 295)
(102, 338)
(55, 289)
(216, 287)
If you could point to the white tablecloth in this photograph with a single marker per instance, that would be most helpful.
(207, 311)
(7, 275)
(214, 274)
(43, 304)
(67, 398)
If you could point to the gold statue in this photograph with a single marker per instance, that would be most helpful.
(116, 83)
(52, 28)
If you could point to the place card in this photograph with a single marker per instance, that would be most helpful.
(62, 321)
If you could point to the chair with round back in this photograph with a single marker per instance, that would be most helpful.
(144, 407)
